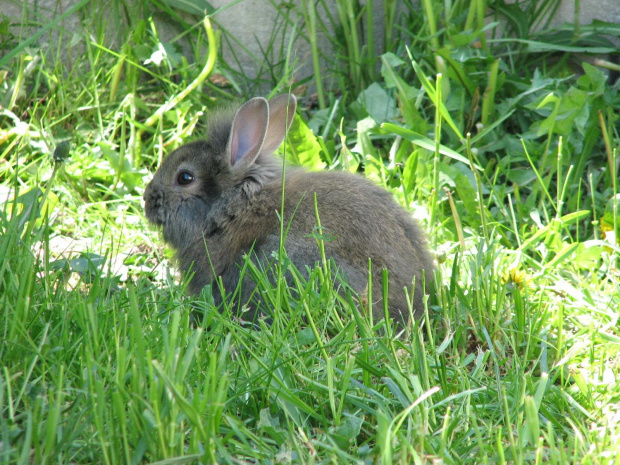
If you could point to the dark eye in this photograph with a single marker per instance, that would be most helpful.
(185, 178)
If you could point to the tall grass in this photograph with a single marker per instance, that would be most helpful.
(509, 159)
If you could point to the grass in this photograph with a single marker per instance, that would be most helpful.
(513, 154)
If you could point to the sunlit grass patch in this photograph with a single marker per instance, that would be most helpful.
(105, 359)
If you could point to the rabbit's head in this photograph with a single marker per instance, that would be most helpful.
(207, 177)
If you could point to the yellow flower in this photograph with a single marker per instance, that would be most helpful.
(515, 275)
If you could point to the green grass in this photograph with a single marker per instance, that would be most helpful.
(510, 159)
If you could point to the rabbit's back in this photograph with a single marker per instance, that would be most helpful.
(362, 220)
(359, 221)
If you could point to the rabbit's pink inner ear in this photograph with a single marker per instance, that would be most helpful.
(281, 114)
(248, 131)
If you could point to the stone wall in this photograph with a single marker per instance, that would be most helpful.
(252, 22)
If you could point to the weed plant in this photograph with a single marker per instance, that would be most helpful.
(498, 132)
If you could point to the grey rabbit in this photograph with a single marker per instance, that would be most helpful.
(220, 199)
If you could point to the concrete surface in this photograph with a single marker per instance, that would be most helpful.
(251, 21)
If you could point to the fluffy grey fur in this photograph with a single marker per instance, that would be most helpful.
(217, 199)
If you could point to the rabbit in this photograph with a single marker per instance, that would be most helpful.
(219, 199)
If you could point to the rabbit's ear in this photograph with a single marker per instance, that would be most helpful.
(248, 131)
(281, 114)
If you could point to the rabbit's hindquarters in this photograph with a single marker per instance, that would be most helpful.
(247, 285)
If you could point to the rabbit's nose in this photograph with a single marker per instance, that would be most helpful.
(147, 192)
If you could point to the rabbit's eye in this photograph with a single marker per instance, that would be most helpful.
(185, 178)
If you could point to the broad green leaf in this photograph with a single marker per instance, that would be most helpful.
(612, 210)
(378, 103)
(347, 431)
(271, 426)
(302, 146)
(430, 90)
(424, 142)
(588, 254)
(534, 46)
(193, 7)
(541, 234)
(406, 93)
(593, 80)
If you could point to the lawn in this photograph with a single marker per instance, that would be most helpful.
(498, 133)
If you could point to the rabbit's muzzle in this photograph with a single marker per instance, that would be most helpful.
(153, 205)
(182, 218)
